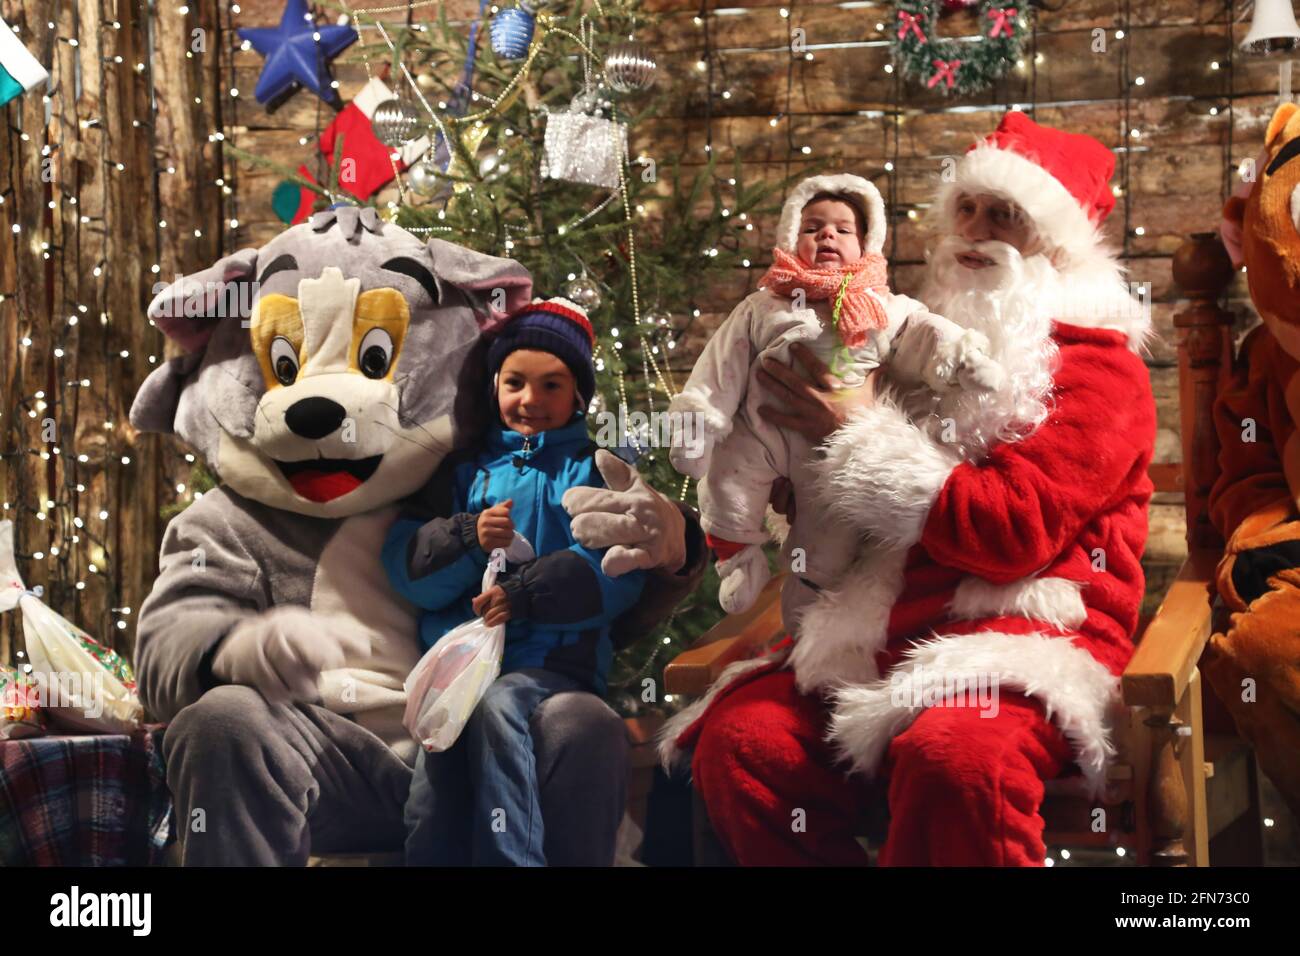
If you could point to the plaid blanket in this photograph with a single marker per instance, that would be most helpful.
(94, 800)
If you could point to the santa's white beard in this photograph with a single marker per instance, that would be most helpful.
(1011, 303)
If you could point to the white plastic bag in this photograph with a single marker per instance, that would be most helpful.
(451, 678)
(81, 684)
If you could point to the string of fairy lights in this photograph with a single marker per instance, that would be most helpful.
(80, 541)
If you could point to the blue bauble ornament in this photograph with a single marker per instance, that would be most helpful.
(512, 32)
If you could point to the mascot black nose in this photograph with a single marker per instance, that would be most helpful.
(314, 417)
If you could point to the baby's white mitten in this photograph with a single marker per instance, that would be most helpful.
(691, 460)
(975, 369)
(692, 448)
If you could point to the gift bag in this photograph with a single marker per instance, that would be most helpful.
(451, 678)
(80, 684)
(21, 714)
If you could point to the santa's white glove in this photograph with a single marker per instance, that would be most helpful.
(640, 527)
(281, 652)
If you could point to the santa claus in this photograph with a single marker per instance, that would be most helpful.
(974, 650)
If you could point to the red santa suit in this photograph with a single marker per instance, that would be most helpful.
(1019, 572)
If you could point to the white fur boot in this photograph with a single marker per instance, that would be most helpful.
(743, 576)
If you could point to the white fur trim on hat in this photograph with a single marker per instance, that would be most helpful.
(1077, 692)
(787, 232)
(1056, 215)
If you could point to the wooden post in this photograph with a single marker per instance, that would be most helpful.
(1203, 270)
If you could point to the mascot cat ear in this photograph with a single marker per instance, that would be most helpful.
(495, 286)
(1279, 121)
(187, 312)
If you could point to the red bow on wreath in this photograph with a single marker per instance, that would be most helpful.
(1002, 21)
(944, 70)
(910, 21)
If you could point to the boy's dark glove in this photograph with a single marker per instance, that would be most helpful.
(557, 588)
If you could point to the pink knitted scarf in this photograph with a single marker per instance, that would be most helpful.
(856, 312)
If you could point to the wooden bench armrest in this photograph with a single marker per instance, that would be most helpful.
(734, 638)
(1156, 677)
(1167, 653)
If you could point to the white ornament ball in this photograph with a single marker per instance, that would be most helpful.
(584, 292)
(423, 177)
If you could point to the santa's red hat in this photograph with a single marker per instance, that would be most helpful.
(1061, 180)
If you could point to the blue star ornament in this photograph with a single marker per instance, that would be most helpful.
(294, 56)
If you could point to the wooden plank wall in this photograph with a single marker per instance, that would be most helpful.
(86, 189)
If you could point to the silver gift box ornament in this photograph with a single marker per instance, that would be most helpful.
(582, 148)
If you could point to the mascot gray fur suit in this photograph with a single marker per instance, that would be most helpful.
(324, 378)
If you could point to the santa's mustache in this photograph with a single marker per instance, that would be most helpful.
(1006, 264)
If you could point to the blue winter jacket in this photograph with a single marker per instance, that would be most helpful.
(561, 603)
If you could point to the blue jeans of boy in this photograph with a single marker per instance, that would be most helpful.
(476, 803)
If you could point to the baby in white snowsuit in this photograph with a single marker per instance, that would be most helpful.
(826, 288)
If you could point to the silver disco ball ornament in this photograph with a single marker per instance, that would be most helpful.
(630, 67)
(582, 291)
(423, 177)
(395, 122)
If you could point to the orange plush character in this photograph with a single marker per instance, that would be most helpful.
(1255, 666)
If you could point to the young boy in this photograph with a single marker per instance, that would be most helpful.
(477, 802)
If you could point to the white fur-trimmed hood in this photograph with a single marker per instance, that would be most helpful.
(787, 231)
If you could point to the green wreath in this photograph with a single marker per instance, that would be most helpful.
(949, 64)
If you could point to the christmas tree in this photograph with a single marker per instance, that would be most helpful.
(526, 150)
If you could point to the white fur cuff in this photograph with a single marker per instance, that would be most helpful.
(1077, 692)
(881, 475)
(712, 422)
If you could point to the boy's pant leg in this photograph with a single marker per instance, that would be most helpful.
(438, 807)
(506, 822)
(257, 785)
(583, 758)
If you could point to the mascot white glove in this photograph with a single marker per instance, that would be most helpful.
(640, 527)
(281, 652)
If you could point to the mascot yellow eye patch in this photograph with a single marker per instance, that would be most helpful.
(379, 322)
(278, 337)
(378, 327)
